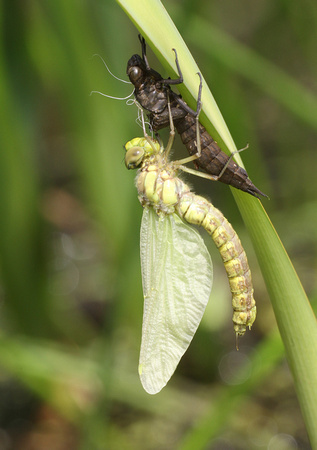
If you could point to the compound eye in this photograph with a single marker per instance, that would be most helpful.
(134, 157)
(135, 73)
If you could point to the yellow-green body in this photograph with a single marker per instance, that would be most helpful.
(160, 188)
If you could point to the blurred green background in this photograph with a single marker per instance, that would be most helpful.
(71, 294)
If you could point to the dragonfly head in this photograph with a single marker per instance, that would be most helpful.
(139, 73)
(134, 157)
(136, 70)
(137, 149)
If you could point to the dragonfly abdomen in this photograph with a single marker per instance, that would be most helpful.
(198, 211)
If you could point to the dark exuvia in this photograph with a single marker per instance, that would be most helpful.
(153, 93)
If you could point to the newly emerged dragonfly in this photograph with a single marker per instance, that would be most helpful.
(153, 93)
(175, 263)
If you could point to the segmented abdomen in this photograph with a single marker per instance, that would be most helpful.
(198, 211)
(213, 159)
(166, 193)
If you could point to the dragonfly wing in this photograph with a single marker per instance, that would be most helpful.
(177, 280)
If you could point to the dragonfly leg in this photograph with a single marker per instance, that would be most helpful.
(180, 164)
(230, 158)
(172, 130)
(143, 45)
(203, 174)
(199, 105)
(141, 119)
(196, 115)
(178, 80)
(198, 144)
(141, 116)
(195, 172)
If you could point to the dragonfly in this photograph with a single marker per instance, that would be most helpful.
(153, 93)
(176, 266)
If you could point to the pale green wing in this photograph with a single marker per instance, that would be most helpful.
(177, 279)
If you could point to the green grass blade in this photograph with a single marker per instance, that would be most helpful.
(295, 318)
(23, 272)
(294, 315)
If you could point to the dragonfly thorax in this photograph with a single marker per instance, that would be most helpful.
(159, 187)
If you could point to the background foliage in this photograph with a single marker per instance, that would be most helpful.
(69, 227)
